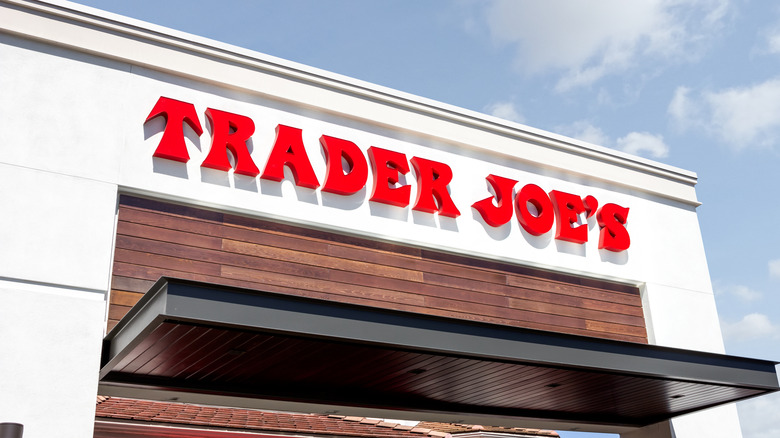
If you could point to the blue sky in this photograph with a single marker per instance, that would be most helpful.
(690, 83)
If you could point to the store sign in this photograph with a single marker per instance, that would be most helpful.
(536, 210)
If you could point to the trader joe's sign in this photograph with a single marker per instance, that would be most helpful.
(347, 169)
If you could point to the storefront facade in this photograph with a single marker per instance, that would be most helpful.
(133, 152)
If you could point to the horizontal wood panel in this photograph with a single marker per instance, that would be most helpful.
(125, 298)
(162, 239)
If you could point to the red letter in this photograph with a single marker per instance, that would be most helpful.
(336, 181)
(387, 167)
(432, 180)
(612, 220)
(500, 213)
(568, 207)
(176, 113)
(231, 131)
(288, 151)
(541, 222)
(591, 205)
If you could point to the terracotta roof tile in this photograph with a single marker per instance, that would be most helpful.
(250, 419)
(403, 427)
(386, 424)
(453, 428)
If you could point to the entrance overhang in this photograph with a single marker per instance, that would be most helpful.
(203, 343)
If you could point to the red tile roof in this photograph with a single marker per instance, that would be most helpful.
(249, 419)
(454, 428)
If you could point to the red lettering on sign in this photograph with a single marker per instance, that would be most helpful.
(591, 205)
(387, 168)
(176, 114)
(568, 208)
(613, 235)
(336, 179)
(288, 151)
(231, 132)
(432, 181)
(499, 213)
(347, 174)
(542, 220)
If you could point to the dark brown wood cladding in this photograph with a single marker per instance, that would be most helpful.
(157, 239)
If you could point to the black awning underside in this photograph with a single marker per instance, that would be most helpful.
(199, 338)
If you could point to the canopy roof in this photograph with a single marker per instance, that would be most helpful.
(240, 346)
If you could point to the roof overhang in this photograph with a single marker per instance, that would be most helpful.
(202, 343)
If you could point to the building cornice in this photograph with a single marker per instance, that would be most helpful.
(146, 45)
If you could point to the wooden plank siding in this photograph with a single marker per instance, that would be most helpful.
(157, 239)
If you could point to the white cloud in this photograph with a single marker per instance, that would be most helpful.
(773, 41)
(758, 416)
(752, 326)
(637, 143)
(683, 110)
(770, 40)
(585, 131)
(774, 268)
(741, 117)
(505, 110)
(589, 40)
(744, 293)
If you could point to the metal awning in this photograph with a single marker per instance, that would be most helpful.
(199, 342)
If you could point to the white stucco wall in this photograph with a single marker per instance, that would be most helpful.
(56, 234)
